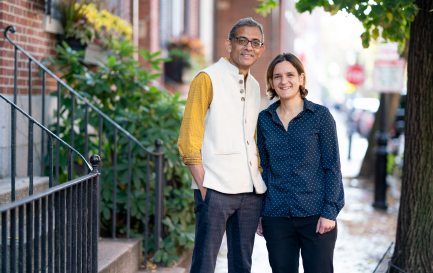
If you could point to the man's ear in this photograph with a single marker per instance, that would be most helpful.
(262, 49)
(228, 45)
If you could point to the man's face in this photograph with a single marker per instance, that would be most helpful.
(245, 55)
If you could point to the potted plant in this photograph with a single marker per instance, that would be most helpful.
(77, 32)
(181, 52)
(86, 23)
(87, 27)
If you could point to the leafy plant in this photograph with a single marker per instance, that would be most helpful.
(84, 22)
(185, 48)
(388, 19)
(73, 20)
(124, 91)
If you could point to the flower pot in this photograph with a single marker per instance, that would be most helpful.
(173, 70)
(73, 43)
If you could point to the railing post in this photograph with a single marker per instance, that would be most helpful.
(158, 191)
(95, 160)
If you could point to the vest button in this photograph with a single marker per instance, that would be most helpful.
(251, 164)
(241, 91)
(248, 143)
(242, 99)
(241, 81)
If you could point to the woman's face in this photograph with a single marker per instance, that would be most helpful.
(286, 81)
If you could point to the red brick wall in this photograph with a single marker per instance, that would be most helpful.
(193, 22)
(149, 25)
(27, 17)
(227, 12)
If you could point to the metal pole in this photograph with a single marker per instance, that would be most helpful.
(381, 157)
(95, 160)
(158, 192)
(350, 130)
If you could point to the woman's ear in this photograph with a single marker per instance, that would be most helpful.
(302, 79)
(271, 85)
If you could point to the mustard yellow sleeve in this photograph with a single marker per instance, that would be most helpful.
(192, 128)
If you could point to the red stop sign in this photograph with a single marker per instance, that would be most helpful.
(355, 74)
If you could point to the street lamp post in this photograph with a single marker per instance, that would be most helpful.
(380, 185)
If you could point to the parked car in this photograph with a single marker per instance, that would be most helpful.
(361, 115)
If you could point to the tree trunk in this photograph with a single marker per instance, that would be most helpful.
(368, 163)
(414, 241)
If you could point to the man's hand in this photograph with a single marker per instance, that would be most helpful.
(324, 225)
(259, 230)
(197, 172)
(203, 191)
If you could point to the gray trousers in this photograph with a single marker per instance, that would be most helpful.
(235, 214)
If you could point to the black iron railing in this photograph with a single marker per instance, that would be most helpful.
(95, 130)
(55, 230)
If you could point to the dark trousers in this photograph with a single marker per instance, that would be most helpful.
(286, 237)
(235, 214)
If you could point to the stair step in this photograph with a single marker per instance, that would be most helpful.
(119, 255)
(182, 266)
(40, 183)
(165, 270)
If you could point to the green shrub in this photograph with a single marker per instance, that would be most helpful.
(124, 91)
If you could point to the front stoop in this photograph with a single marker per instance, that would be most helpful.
(40, 183)
(119, 256)
(166, 270)
(182, 266)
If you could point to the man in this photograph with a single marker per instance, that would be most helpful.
(217, 143)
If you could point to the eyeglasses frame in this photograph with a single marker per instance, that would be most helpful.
(249, 41)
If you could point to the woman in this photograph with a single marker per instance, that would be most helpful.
(298, 147)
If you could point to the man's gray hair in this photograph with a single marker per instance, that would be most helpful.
(245, 22)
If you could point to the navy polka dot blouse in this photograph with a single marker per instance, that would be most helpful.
(301, 166)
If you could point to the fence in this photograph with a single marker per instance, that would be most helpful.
(91, 131)
(56, 230)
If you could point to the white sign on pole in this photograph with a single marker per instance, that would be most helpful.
(388, 76)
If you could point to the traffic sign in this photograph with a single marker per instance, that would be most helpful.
(388, 76)
(355, 74)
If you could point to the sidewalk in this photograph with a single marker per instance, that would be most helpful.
(364, 234)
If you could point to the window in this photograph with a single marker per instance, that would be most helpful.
(52, 18)
(172, 20)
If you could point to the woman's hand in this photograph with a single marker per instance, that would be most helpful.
(324, 225)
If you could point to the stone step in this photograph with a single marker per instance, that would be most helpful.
(182, 266)
(166, 270)
(40, 183)
(119, 255)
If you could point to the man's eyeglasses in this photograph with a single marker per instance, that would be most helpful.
(255, 43)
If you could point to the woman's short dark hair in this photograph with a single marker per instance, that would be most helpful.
(245, 22)
(270, 72)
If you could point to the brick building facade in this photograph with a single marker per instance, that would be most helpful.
(154, 24)
(27, 17)
(227, 12)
